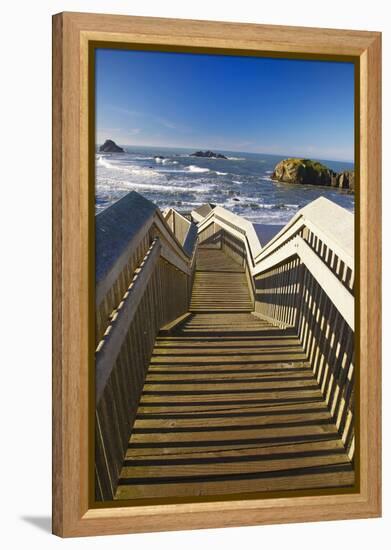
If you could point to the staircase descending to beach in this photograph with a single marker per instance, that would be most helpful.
(228, 393)
(219, 284)
(229, 404)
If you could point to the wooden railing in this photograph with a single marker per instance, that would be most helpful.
(178, 224)
(144, 278)
(304, 278)
(187, 234)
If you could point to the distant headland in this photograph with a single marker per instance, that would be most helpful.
(110, 146)
(311, 172)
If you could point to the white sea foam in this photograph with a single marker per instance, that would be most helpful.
(154, 187)
(165, 161)
(221, 173)
(193, 203)
(172, 171)
(133, 170)
(104, 162)
(236, 158)
(142, 158)
(193, 168)
(157, 187)
(144, 172)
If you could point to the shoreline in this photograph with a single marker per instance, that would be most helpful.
(242, 185)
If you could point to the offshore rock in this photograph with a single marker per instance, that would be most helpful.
(110, 146)
(311, 172)
(208, 154)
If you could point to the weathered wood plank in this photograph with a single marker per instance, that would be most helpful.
(289, 481)
(230, 404)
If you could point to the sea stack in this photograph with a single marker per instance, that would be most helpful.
(304, 171)
(311, 172)
(208, 154)
(110, 146)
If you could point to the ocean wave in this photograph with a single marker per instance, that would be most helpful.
(154, 187)
(144, 172)
(221, 173)
(159, 160)
(193, 168)
(133, 170)
(236, 158)
(106, 164)
(168, 161)
(142, 158)
(171, 171)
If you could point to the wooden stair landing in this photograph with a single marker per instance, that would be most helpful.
(231, 406)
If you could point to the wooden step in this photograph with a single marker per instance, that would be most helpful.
(230, 404)
(216, 260)
(220, 284)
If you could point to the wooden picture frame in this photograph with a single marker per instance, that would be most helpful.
(72, 33)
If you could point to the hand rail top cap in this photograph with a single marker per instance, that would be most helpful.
(243, 225)
(116, 226)
(328, 220)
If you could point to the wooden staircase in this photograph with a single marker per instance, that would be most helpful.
(220, 284)
(230, 405)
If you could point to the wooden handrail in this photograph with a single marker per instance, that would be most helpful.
(115, 334)
(337, 292)
(332, 226)
(124, 233)
(143, 283)
(304, 278)
(235, 225)
(331, 223)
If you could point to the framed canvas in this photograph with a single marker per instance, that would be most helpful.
(216, 349)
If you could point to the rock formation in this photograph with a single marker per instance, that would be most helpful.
(110, 147)
(310, 172)
(208, 154)
(344, 180)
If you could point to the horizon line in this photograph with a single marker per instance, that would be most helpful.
(216, 149)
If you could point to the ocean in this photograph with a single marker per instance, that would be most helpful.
(242, 184)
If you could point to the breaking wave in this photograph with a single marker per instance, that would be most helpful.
(193, 168)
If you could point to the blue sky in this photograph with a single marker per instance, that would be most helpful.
(276, 106)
